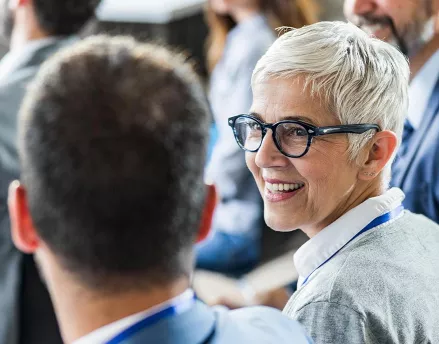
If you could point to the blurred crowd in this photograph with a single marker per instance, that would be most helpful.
(288, 195)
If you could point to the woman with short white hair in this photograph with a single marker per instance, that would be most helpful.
(329, 103)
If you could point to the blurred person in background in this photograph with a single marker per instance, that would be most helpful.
(113, 138)
(35, 29)
(240, 33)
(411, 25)
(328, 111)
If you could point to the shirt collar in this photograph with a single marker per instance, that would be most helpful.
(421, 88)
(332, 238)
(108, 332)
(15, 57)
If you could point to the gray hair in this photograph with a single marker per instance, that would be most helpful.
(363, 79)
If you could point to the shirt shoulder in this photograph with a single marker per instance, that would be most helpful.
(372, 258)
(383, 259)
(258, 325)
(248, 46)
(371, 281)
(322, 322)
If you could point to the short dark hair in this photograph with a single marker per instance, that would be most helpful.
(64, 17)
(113, 138)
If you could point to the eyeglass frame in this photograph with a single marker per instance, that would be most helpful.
(312, 130)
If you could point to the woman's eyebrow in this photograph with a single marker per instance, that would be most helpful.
(300, 118)
(258, 116)
(288, 118)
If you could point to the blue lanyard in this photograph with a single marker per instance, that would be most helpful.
(374, 223)
(177, 308)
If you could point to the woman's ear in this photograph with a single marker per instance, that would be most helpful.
(23, 233)
(380, 152)
(209, 209)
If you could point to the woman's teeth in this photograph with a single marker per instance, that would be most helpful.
(283, 187)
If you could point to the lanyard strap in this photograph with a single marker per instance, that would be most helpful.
(374, 223)
(172, 310)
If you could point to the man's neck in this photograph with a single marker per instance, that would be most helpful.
(424, 54)
(81, 312)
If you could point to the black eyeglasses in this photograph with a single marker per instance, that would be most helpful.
(292, 138)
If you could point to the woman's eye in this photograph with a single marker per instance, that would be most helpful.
(297, 132)
(253, 126)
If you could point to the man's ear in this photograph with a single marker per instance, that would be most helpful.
(381, 150)
(23, 231)
(209, 209)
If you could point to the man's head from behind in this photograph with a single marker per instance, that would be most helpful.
(54, 17)
(112, 144)
(408, 24)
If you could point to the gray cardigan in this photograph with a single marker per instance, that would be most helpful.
(381, 288)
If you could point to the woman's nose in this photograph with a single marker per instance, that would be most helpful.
(269, 155)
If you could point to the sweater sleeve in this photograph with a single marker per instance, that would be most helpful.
(332, 323)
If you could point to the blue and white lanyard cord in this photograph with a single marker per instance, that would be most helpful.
(374, 223)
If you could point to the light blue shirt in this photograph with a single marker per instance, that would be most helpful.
(15, 57)
(106, 333)
(240, 210)
(202, 324)
(421, 89)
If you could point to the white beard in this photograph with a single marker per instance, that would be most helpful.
(414, 45)
(425, 37)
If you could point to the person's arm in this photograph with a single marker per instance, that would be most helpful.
(330, 323)
(228, 167)
(241, 204)
(262, 286)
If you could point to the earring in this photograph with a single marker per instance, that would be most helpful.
(369, 174)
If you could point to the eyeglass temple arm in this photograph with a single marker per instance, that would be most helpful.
(345, 129)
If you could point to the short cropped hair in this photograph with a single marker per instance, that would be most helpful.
(64, 17)
(113, 138)
(363, 79)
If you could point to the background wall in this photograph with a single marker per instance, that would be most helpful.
(3, 48)
(331, 10)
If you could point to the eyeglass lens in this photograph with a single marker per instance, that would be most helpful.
(292, 138)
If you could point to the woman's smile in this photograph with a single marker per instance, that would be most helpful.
(278, 191)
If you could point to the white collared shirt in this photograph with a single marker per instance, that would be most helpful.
(14, 57)
(421, 89)
(108, 332)
(332, 238)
